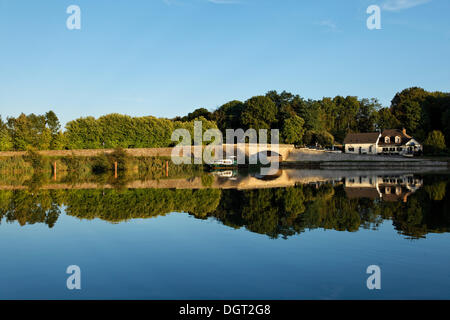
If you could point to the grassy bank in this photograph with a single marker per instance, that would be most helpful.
(18, 170)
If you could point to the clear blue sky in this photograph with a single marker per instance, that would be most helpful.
(168, 57)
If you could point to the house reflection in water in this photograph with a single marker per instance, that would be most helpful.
(386, 188)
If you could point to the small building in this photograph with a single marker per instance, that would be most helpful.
(389, 142)
(362, 143)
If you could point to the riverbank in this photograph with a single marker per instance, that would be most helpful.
(154, 161)
(330, 159)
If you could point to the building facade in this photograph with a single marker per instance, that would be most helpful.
(389, 142)
(362, 143)
(394, 141)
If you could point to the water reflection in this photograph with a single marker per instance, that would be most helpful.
(416, 204)
(386, 187)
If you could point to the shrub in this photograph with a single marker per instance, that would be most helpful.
(435, 143)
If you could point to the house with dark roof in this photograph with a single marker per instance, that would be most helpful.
(389, 142)
(394, 141)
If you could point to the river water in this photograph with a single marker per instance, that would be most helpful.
(297, 234)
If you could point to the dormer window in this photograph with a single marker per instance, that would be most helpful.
(387, 140)
(397, 139)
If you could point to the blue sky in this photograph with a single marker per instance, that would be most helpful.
(168, 57)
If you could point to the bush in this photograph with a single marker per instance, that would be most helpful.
(321, 138)
(435, 143)
(101, 164)
(121, 157)
(38, 162)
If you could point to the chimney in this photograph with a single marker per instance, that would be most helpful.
(404, 131)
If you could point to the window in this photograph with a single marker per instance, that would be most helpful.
(385, 149)
(397, 139)
(387, 140)
(399, 149)
(351, 149)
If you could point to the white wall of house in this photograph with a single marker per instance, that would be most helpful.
(414, 143)
(362, 182)
(411, 146)
(366, 148)
(392, 149)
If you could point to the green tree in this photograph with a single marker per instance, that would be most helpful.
(197, 113)
(311, 111)
(228, 116)
(6, 143)
(293, 130)
(446, 124)
(20, 132)
(324, 139)
(29, 132)
(406, 106)
(259, 113)
(366, 116)
(436, 114)
(386, 120)
(52, 122)
(435, 142)
(84, 133)
(346, 111)
(54, 126)
(320, 138)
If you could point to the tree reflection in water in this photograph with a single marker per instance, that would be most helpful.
(277, 212)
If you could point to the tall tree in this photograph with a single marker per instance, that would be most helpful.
(293, 130)
(407, 107)
(386, 120)
(367, 115)
(6, 143)
(228, 116)
(197, 113)
(259, 113)
(54, 126)
(347, 109)
(435, 142)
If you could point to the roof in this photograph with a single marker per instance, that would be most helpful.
(357, 192)
(394, 197)
(370, 137)
(392, 133)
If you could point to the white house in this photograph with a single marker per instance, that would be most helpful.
(394, 141)
(362, 143)
(389, 142)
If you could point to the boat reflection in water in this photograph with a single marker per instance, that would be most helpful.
(228, 174)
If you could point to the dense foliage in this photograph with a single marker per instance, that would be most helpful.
(425, 115)
(36, 132)
(280, 212)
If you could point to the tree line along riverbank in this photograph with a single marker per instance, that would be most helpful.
(425, 115)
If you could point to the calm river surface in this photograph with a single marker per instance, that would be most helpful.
(299, 234)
